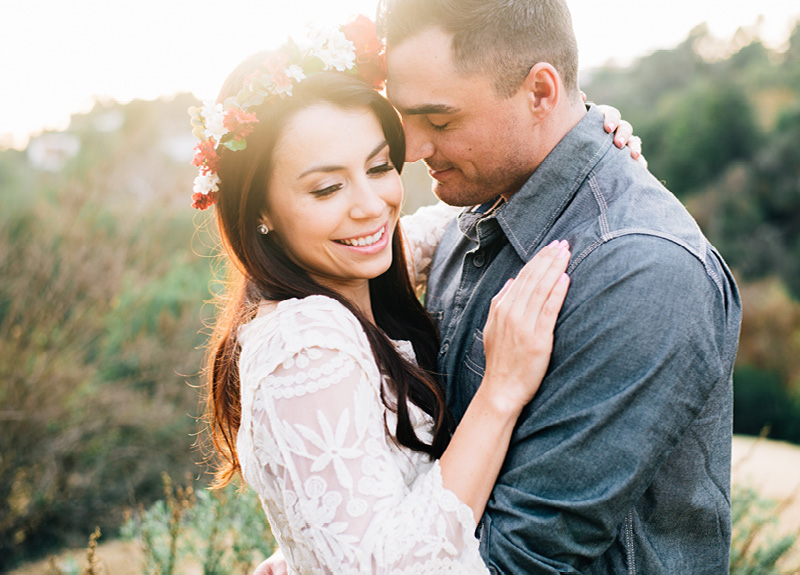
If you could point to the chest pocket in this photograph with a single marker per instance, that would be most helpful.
(475, 359)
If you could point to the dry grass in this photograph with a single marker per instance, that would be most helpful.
(772, 468)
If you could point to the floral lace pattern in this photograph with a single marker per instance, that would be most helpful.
(422, 230)
(342, 497)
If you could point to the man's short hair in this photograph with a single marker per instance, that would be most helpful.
(501, 38)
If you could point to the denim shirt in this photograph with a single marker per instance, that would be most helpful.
(621, 463)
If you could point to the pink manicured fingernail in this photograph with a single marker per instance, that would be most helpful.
(563, 278)
(564, 244)
(553, 244)
(611, 126)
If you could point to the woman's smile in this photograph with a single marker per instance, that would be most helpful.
(369, 243)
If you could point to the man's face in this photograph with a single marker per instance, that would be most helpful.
(477, 145)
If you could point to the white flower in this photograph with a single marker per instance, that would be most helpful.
(214, 117)
(206, 183)
(332, 47)
(314, 40)
(295, 72)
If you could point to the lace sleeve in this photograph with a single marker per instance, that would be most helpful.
(422, 231)
(341, 489)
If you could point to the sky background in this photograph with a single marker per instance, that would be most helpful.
(58, 56)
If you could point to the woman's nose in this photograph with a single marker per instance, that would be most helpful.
(367, 202)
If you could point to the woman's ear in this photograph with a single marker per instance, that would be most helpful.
(543, 88)
(264, 222)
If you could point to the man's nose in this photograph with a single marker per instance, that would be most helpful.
(418, 145)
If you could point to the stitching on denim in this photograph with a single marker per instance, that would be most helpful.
(646, 232)
(582, 175)
(629, 543)
(470, 363)
(675, 240)
(473, 367)
(605, 228)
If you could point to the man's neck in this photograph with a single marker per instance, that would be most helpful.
(551, 131)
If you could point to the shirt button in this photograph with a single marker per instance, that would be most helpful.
(444, 348)
(478, 260)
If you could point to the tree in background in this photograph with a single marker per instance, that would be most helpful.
(100, 309)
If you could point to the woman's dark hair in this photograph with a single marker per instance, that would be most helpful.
(262, 270)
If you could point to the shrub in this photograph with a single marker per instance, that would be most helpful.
(225, 531)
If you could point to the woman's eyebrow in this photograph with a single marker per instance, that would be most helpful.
(333, 168)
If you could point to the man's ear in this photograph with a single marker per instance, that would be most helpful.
(543, 88)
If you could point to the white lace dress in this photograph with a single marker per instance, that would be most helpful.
(341, 496)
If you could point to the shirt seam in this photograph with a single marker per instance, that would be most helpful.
(606, 237)
(601, 150)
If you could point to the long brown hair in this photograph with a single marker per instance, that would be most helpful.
(262, 270)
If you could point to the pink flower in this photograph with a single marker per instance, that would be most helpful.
(240, 123)
(361, 32)
(206, 157)
(250, 78)
(276, 66)
(203, 201)
(370, 56)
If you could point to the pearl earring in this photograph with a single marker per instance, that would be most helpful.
(262, 229)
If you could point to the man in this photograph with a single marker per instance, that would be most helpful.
(621, 464)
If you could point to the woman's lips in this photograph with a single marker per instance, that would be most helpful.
(367, 243)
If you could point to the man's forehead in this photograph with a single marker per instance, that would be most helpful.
(420, 76)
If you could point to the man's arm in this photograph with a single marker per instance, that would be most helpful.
(640, 349)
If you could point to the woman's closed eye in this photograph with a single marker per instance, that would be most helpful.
(326, 191)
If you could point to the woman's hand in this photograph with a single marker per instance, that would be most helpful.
(518, 340)
(518, 337)
(622, 130)
(274, 565)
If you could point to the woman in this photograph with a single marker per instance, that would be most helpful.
(322, 388)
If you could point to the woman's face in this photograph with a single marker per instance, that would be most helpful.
(334, 196)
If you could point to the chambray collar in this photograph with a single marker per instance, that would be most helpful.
(530, 213)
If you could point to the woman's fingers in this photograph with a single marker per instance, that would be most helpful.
(530, 273)
(635, 144)
(622, 130)
(546, 322)
(611, 117)
(518, 336)
(623, 134)
(537, 279)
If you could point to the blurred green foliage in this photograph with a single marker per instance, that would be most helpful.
(101, 311)
(224, 531)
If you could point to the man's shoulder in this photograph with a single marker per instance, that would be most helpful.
(629, 201)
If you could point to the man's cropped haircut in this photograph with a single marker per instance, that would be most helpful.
(501, 38)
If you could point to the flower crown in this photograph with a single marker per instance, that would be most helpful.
(354, 48)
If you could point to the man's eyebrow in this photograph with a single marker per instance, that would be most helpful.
(332, 168)
(426, 109)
